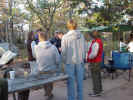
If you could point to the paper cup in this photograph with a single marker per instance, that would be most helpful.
(25, 74)
(12, 75)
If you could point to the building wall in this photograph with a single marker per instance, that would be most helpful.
(3, 4)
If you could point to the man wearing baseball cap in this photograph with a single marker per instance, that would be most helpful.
(95, 58)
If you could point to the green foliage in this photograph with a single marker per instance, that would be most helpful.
(112, 12)
(74, 3)
(44, 4)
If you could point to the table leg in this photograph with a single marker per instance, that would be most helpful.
(14, 96)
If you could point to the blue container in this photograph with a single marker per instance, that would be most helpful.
(121, 60)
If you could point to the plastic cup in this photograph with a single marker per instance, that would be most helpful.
(25, 74)
(12, 75)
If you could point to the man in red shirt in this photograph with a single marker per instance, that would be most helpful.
(95, 59)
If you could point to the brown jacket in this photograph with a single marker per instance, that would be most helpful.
(29, 49)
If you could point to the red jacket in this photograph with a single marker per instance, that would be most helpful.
(98, 58)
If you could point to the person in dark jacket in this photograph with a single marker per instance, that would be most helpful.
(57, 40)
(24, 95)
(29, 49)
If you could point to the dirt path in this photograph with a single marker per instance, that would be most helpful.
(118, 89)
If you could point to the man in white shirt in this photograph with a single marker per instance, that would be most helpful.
(130, 45)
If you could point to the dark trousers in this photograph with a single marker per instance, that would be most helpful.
(24, 95)
(96, 77)
(3, 89)
(48, 88)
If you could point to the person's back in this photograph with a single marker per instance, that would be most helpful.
(73, 48)
(47, 58)
(47, 55)
(75, 51)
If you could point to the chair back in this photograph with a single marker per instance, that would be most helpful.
(121, 60)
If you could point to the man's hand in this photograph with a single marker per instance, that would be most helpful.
(60, 49)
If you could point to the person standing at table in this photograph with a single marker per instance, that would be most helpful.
(95, 59)
(73, 54)
(24, 95)
(47, 58)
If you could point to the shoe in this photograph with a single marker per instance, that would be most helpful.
(95, 95)
(85, 78)
(102, 92)
(45, 94)
(50, 97)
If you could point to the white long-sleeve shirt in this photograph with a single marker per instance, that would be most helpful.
(130, 47)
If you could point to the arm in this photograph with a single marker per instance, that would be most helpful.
(124, 44)
(128, 46)
(95, 49)
(85, 46)
(52, 41)
(33, 47)
(63, 48)
(85, 49)
(89, 45)
(57, 55)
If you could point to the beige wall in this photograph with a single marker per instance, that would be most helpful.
(3, 4)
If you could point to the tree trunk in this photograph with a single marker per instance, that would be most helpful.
(115, 40)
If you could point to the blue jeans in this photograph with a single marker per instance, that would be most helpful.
(60, 66)
(85, 72)
(76, 73)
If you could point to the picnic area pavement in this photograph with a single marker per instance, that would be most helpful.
(117, 89)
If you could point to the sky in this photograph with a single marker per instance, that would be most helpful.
(98, 3)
